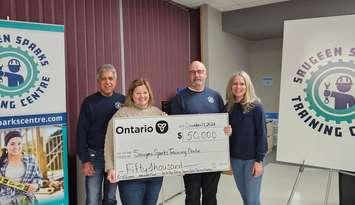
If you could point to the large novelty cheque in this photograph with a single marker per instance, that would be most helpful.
(170, 145)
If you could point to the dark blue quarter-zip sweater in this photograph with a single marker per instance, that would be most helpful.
(248, 139)
(95, 112)
(188, 101)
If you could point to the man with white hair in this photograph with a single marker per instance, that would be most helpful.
(95, 113)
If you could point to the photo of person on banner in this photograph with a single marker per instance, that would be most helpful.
(20, 174)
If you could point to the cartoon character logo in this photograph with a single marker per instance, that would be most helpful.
(330, 91)
(18, 71)
(342, 99)
(13, 79)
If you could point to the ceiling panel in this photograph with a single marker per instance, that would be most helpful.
(226, 5)
(265, 22)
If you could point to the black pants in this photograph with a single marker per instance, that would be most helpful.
(208, 182)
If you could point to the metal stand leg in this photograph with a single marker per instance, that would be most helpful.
(300, 171)
(328, 186)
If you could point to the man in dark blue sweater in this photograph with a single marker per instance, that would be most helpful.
(198, 99)
(96, 110)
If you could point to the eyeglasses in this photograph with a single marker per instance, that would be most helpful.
(197, 72)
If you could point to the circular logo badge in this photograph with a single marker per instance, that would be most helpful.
(330, 91)
(210, 99)
(18, 71)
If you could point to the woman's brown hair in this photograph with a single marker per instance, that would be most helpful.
(136, 83)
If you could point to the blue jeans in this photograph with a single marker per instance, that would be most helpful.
(140, 191)
(248, 185)
(93, 184)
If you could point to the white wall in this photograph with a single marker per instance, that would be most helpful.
(264, 59)
(222, 53)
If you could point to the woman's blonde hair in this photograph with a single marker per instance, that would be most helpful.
(249, 98)
(135, 83)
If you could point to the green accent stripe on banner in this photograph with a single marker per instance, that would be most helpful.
(65, 157)
(32, 26)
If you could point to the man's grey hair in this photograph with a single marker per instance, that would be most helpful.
(105, 68)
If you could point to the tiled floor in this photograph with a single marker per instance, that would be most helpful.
(277, 184)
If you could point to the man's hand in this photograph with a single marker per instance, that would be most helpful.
(88, 169)
(111, 176)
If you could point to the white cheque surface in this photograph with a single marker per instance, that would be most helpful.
(170, 145)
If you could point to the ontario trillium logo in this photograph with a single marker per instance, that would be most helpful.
(162, 126)
(326, 102)
(22, 80)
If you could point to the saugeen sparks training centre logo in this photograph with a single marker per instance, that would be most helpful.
(326, 102)
(22, 81)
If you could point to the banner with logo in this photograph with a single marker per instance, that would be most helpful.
(170, 145)
(317, 99)
(33, 124)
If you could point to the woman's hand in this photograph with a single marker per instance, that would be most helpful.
(257, 169)
(32, 188)
(111, 176)
(228, 130)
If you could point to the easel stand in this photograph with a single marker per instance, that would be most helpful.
(298, 178)
(299, 174)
